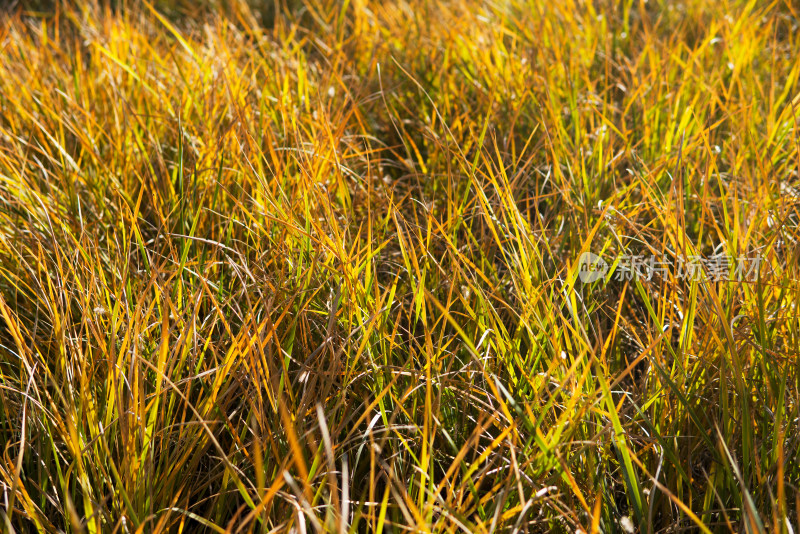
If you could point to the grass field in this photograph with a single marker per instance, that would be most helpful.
(314, 266)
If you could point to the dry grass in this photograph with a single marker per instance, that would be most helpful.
(313, 267)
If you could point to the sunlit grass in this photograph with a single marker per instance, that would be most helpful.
(313, 266)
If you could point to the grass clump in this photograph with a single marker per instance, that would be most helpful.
(313, 266)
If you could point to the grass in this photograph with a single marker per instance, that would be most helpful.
(313, 266)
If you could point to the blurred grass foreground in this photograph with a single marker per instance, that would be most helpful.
(312, 266)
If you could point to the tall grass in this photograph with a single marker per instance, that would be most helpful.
(313, 266)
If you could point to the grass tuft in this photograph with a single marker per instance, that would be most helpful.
(312, 266)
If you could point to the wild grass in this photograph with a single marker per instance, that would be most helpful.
(313, 266)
